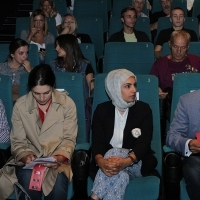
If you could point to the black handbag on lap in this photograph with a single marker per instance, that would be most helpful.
(80, 168)
(5, 154)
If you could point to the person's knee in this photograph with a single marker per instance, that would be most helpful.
(191, 169)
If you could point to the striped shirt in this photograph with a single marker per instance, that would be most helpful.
(6, 69)
(4, 128)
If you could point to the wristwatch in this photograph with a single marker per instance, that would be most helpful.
(129, 156)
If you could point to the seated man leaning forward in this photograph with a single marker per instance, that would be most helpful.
(181, 137)
(179, 61)
(177, 18)
(128, 32)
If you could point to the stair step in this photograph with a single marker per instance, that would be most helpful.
(7, 31)
(25, 7)
(6, 38)
(23, 13)
(8, 27)
(10, 20)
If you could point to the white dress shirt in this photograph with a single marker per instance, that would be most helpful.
(119, 125)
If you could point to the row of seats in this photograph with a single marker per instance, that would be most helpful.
(87, 51)
(86, 25)
(137, 57)
(72, 82)
(147, 88)
(95, 14)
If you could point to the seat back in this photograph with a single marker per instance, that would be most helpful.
(147, 86)
(142, 24)
(156, 6)
(92, 8)
(183, 83)
(193, 49)
(23, 23)
(134, 56)
(6, 95)
(94, 28)
(73, 84)
(4, 51)
(89, 53)
(50, 53)
(33, 56)
(61, 6)
(196, 6)
(192, 23)
(119, 5)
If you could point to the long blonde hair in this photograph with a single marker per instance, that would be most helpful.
(36, 13)
(53, 6)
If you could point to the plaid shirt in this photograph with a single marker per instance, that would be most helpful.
(4, 128)
(5, 69)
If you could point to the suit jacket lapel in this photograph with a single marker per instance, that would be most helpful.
(129, 122)
(110, 121)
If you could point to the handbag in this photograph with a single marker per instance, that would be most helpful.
(80, 169)
(5, 154)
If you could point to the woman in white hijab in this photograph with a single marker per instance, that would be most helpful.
(121, 138)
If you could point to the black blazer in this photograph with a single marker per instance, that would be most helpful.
(119, 36)
(139, 116)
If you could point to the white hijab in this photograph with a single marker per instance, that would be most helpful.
(113, 83)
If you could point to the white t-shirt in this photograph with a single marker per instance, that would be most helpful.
(38, 45)
(58, 19)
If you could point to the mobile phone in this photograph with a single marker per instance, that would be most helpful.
(42, 49)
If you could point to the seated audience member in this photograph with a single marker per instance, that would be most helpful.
(16, 64)
(4, 128)
(166, 68)
(128, 32)
(70, 59)
(182, 138)
(165, 12)
(49, 8)
(118, 154)
(138, 5)
(38, 33)
(44, 124)
(70, 26)
(177, 18)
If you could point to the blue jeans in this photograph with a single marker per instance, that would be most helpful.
(59, 190)
(191, 173)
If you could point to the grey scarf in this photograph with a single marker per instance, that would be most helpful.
(113, 83)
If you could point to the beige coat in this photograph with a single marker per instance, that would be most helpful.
(57, 135)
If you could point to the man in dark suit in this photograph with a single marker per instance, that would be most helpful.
(183, 139)
(128, 33)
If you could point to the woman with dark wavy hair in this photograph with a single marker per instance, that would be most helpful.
(70, 59)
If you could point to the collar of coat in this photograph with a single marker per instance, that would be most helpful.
(58, 98)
